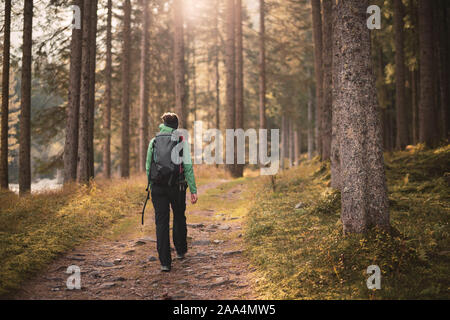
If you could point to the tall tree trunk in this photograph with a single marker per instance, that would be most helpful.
(427, 124)
(216, 65)
(296, 145)
(364, 191)
(194, 73)
(327, 59)
(239, 78)
(443, 71)
(414, 73)
(310, 125)
(400, 103)
(336, 67)
(230, 71)
(73, 107)
(143, 89)
(126, 79)
(25, 105)
(262, 66)
(4, 178)
(414, 106)
(317, 35)
(92, 69)
(179, 67)
(291, 143)
(83, 131)
(108, 96)
(283, 141)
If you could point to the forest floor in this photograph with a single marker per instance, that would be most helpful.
(274, 237)
(126, 266)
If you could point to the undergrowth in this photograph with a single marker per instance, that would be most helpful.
(295, 240)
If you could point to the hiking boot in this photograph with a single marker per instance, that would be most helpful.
(165, 269)
(180, 256)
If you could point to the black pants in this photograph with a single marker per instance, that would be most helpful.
(163, 198)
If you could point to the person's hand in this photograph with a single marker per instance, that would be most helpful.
(194, 198)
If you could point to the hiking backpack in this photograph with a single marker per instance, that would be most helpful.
(162, 170)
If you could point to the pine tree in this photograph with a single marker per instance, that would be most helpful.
(363, 190)
(25, 107)
(126, 79)
(4, 176)
(108, 96)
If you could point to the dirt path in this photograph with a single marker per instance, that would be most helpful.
(214, 268)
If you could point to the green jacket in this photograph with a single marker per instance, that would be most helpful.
(187, 161)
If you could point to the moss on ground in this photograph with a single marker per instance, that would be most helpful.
(302, 254)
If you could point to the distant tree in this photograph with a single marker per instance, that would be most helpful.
(143, 88)
(363, 190)
(92, 81)
(179, 66)
(317, 35)
(427, 123)
(262, 66)
(336, 67)
(401, 118)
(327, 59)
(216, 61)
(25, 107)
(310, 123)
(108, 95)
(230, 69)
(126, 79)
(4, 176)
(239, 168)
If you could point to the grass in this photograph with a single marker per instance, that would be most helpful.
(36, 229)
(302, 254)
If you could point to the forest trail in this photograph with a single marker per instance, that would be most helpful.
(128, 268)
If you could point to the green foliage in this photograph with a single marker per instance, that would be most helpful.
(302, 253)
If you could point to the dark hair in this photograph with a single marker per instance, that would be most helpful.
(170, 119)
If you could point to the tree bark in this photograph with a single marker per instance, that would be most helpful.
(108, 96)
(327, 59)
(143, 89)
(83, 131)
(126, 78)
(239, 78)
(262, 67)
(363, 191)
(336, 67)
(73, 106)
(92, 69)
(4, 177)
(25, 107)
(230, 71)
(400, 103)
(179, 67)
(317, 35)
(427, 124)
